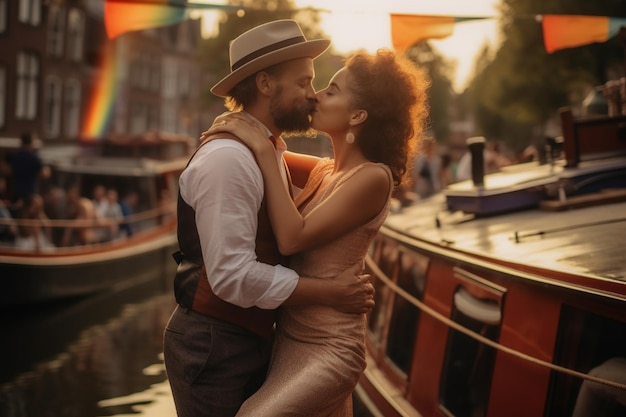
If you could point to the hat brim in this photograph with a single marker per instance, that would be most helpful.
(308, 49)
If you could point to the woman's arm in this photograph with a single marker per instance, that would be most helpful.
(351, 205)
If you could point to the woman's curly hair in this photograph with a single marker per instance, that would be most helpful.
(393, 91)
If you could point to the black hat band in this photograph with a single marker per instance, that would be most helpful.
(265, 50)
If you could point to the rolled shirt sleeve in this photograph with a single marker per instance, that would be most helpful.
(224, 185)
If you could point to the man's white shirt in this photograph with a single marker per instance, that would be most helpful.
(224, 185)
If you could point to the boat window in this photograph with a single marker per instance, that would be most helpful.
(386, 257)
(468, 364)
(405, 315)
(590, 343)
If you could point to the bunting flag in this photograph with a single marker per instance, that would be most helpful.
(409, 29)
(568, 31)
(121, 16)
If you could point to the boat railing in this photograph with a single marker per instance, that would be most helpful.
(388, 282)
(142, 223)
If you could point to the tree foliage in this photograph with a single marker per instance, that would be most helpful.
(522, 86)
(439, 71)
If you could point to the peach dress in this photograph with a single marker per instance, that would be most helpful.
(319, 352)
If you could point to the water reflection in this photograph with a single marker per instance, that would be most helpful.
(110, 369)
(156, 401)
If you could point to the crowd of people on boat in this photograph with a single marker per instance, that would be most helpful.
(98, 219)
(32, 204)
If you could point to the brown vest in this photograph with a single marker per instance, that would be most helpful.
(191, 286)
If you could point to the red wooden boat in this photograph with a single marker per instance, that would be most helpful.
(505, 295)
(149, 165)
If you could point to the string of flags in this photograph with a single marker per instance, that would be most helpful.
(559, 31)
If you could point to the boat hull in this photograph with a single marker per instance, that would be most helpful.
(39, 279)
(487, 307)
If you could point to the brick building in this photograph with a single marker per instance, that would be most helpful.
(51, 64)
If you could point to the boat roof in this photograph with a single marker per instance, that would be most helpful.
(129, 167)
(567, 217)
(585, 241)
(118, 157)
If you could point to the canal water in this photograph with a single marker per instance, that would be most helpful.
(92, 357)
(99, 356)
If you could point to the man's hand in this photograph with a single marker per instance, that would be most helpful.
(356, 292)
(349, 292)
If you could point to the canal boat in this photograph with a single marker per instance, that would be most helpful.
(120, 252)
(505, 295)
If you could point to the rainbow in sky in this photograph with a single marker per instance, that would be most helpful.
(103, 96)
(121, 16)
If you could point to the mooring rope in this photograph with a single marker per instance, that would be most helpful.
(451, 323)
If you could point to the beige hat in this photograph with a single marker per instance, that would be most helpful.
(266, 45)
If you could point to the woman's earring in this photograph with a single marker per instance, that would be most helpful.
(350, 137)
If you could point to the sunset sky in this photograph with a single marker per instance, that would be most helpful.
(365, 24)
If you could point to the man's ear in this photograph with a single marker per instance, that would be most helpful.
(358, 117)
(264, 83)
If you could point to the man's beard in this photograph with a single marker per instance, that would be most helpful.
(293, 119)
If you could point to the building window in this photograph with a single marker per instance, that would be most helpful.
(75, 34)
(52, 100)
(138, 119)
(56, 25)
(3, 16)
(3, 96)
(153, 118)
(136, 70)
(184, 82)
(155, 74)
(146, 70)
(169, 79)
(26, 91)
(30, 12)
(168, 118)
(72, 108)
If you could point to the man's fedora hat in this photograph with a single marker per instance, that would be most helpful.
(264, 46)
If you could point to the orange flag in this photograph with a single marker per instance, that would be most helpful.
(121, 16)
(568, 31)
(407, 30)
